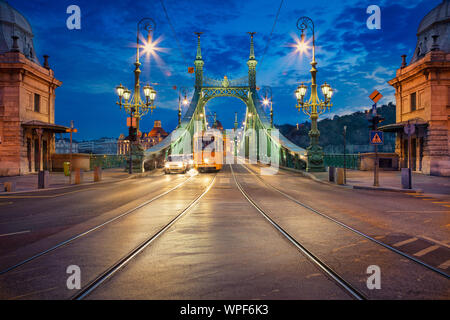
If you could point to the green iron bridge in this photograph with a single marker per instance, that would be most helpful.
(258, 126)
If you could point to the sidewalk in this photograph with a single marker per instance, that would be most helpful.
(58, 179)
(438, 187)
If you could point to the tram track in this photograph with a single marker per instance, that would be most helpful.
(113, 269)
(322, 266)
(91, 230)
(353, 230)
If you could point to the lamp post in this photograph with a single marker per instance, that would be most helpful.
(250, 120)
(134, 106)
(182, 100)
(267, 92)
(314, 107)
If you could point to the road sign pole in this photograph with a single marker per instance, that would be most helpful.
(376, 182)
(375, 97)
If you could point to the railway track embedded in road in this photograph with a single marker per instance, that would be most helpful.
(403, 254)
(88, 289)
(327, 270)
(83, 234)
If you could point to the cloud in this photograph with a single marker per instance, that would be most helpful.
(91, 62)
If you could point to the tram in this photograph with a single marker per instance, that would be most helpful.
(209, 152)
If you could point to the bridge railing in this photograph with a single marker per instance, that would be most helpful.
(108, 161)
(352, 161)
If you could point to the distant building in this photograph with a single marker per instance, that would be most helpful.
(100, 146)
(146, 139)
(423, 97)
(27, 99)
(62, 146)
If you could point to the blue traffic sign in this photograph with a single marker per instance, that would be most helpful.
(376, 138)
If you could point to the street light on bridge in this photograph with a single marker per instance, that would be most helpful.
(267, 92)
(314, 106)
(132, 102)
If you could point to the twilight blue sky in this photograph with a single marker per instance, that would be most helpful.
(93, 60)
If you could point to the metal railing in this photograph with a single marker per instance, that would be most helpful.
(352, 161)
(108, 161)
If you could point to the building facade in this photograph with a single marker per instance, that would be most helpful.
(62, 146)
(146, 139)
(100, 146)
(27, 99)
(423, 97)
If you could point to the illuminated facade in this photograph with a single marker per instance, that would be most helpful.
(423, 97)
(146, 139)
(27, 99)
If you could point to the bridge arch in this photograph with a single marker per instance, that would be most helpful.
(244, 89)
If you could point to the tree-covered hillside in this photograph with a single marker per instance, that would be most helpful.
(331, 130)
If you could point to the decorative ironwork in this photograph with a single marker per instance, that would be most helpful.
(240, 82)
(237, 92)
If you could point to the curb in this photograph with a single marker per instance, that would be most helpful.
(133, 176)
(356, 187)
(388, 189)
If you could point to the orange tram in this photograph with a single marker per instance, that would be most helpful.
(210, 148)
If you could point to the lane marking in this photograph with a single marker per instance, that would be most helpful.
(445, 265)
(444, 244)
(425, 251)
(402, 243)
(14, 233)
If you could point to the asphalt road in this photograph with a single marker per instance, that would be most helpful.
(222, 248)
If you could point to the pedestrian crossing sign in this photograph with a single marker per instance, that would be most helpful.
(376, 138)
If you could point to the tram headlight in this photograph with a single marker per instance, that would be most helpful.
(180, 165)
(167, 165)
(206, 160)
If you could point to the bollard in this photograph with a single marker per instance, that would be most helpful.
(10, 186)
(98, 174)
(43, 179)
(406, 178)
(331, 174)
(340, 176)
(78, 176)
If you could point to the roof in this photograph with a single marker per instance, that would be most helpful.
(10, 15)
(157, 131)
(439, 14)
(434, 31)
(13, 23)
(35, 124)
(396, 127)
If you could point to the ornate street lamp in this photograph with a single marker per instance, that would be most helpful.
(314, 106)
(131, 101)
(267, 93)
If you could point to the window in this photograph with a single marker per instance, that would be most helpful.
(413, 102)
(37, 102)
